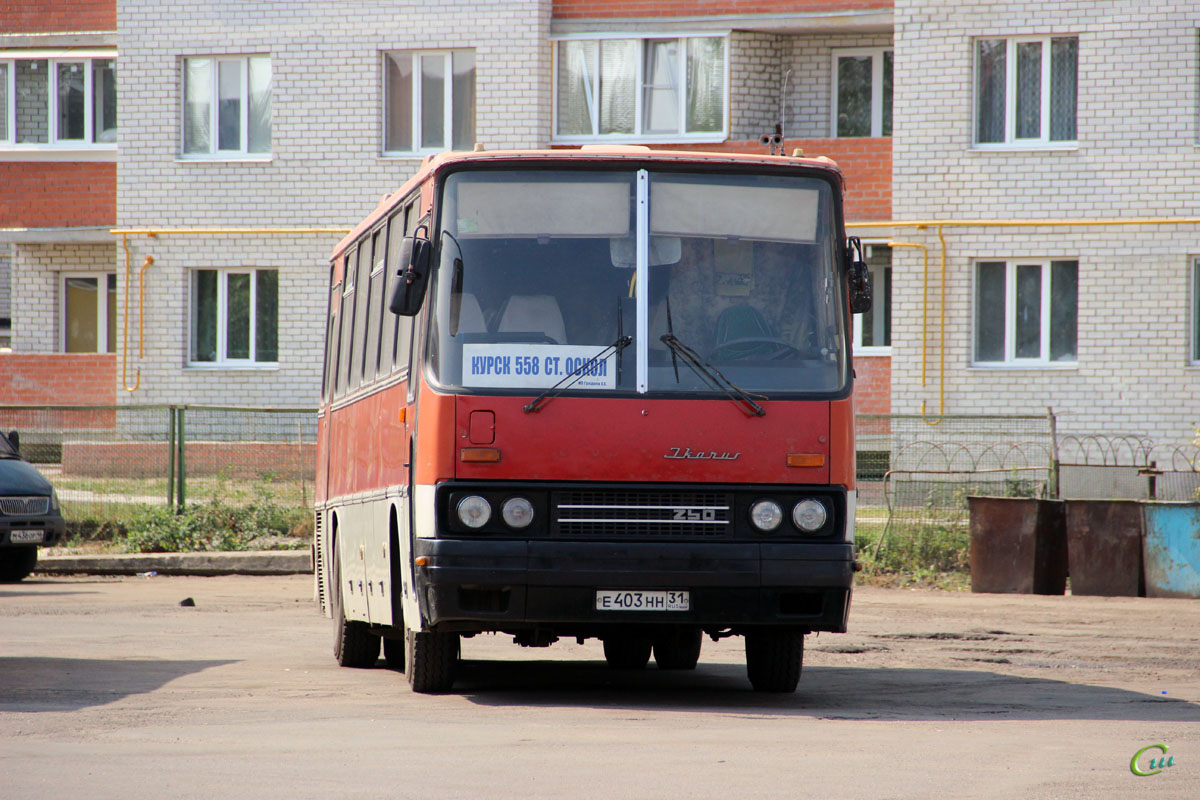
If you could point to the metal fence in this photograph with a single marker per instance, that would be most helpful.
(106, 460)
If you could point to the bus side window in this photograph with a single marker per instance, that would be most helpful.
(331, 334)
(363, 291)
(346, 321)
(371, 359)
(391, 322)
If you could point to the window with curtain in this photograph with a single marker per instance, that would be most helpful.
(1026, 312)
(660, 88)
(862, 92)
(234, 317)
(227, 106)
(1026, 91)
(89, 313)
(429, 100)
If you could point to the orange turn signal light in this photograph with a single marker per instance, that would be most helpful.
(806, 459)
(421, 561)
(479, 455)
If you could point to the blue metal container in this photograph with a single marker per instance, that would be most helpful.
(1172, 549)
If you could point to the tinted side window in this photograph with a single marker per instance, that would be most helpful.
(331, 334)
(371, 363)
(346, 323)
(362, 290)
(390, 321)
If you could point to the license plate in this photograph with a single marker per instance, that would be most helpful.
(635, 600)
(27, 536)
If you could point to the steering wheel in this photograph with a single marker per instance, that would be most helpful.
(746, 347)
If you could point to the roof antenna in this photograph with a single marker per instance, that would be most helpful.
(774, 142)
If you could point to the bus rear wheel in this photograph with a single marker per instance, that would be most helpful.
(774, 659)
(353, 643)
(627, 652)
(678, 649)
(431, 660)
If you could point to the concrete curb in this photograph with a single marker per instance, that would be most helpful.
(257, 562)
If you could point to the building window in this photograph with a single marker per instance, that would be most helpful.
(1025, 91)
(89, 313)
(235, 317)
(664, 89)
(1195, 356)
(1026, 311)
(58, 102)
(429, 101)
(862, 92)
(873, 330)
(227, 106)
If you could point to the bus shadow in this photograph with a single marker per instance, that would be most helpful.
(32, 685)
(850, 693)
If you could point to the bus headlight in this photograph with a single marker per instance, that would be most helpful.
(809, 515)
(474, 511)
(766, 515)
(517, 512)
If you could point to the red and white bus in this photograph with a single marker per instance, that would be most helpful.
(598, 393)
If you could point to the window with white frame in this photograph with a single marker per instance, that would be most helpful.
(1026, 90)
(648, 88)
(1195, 348)
(429, 100)
(235, 317)
(65, 102)
(1026, 311)
(227, 106)
(89, 313)
(862, 92)
(873, 329)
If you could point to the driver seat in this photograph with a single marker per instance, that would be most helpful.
(743, 322)
(534, 313)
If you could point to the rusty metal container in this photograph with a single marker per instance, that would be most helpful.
(1104, 541)
(1172, 549)
(1018, 545)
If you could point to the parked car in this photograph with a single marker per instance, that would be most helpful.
(29, 512)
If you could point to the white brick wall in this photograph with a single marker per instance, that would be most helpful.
(5, 281)
(1137, 157)
(326, 167)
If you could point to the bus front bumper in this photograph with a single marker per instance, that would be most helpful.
(504, 585)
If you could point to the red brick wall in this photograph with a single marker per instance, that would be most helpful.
(60, 379)
(598, 9)
(57, 194)
(865, 163)
(149, 459)
(873, 384)
(57, 16)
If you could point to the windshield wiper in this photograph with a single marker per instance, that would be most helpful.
(570, 380)
(711, 375)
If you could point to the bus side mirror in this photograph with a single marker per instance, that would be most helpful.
(860, 288)
(411, 277)
(15, 440)
(858, 276)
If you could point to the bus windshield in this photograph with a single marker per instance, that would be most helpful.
(602, 281)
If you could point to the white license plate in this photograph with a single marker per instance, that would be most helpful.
(636, 600)
(27, 536)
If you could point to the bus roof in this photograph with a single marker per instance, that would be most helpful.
(596, 153)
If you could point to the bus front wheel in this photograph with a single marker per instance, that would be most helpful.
(627, 652)
(774, 659)
(431, 660)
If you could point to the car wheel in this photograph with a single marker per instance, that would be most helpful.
(17, 562)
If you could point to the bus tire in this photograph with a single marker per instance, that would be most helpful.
(627, 652)
(431, 660)
(353, 643)
(17, 562)
(774, 659)
(678, 649)
(393, 653)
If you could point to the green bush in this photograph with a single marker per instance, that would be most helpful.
(215, 525)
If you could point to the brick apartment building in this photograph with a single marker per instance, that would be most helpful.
(301, 115)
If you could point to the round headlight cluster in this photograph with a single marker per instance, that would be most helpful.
(766, 515)
(808, 515)
(475, 512)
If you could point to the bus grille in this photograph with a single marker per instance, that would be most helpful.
(604, 513)
(24, 506)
